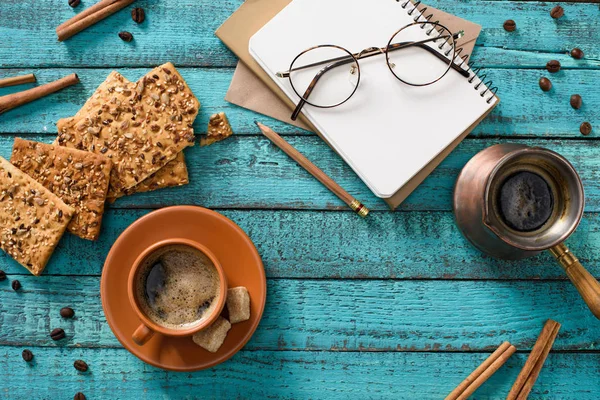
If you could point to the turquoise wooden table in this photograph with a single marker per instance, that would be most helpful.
(407, 313)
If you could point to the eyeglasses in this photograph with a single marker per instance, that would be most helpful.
(415, 55)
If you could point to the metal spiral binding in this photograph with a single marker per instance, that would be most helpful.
(457, 53)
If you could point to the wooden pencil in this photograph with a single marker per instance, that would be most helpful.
(313, 170)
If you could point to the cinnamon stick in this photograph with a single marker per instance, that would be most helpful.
(88, 11)
(485, 375)
(531, 370)
(17, 80)
(482, 372)
(13, 100)
(89, 17)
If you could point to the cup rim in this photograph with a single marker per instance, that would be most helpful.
(169, 331)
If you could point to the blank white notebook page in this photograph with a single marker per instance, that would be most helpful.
(388, 130)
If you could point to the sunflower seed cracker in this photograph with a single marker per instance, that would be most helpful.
(139, 126)
(218, 129)
(32, 218)
(79, 178)
(173, 174)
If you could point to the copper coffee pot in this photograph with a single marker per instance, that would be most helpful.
(478, 213)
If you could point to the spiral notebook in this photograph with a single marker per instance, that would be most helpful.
(388, 131)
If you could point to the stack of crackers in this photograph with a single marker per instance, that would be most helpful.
(127, 138)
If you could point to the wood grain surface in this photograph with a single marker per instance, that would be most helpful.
(397, 306)
(524, 110)
(220, 176)
(115, 374)
(334, 315)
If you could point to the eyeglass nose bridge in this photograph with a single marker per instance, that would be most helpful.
(371, 51)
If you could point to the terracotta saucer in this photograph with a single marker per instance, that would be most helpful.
(233, 248)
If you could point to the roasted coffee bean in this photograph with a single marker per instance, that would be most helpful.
(553, 66)
(80, 365)
(585, 128)
(27, 355)
(577, 53)
(510, 25)
(79, 396)
(576, 101)
(126, 36)
(57, 334)
(545, 84)
(16, 285)
(67, 312)
(138, 15)
(2, 275)
(74, 3)
(557, 12)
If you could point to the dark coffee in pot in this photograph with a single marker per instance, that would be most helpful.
(525, 201)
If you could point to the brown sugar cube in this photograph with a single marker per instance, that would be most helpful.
(218, 129)
(238, 304)
(213, 337)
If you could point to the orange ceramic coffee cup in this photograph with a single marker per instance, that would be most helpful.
(148, 328)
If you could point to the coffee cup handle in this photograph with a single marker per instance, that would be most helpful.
(142, 334)
(587, 286)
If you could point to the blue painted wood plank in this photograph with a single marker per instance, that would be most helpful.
(335, 315)
(115, 374)
(251, 173)
(524, 109)
(182, 32)
(385, 246)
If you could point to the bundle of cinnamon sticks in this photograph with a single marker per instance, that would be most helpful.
(89, 17)
(528, 375)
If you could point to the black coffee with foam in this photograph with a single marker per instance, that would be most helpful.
(525, 201)
(177, 286)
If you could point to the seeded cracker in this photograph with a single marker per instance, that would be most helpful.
(32, 219)
(79, 178)
(140, 127)
(173, 174)
(218, 129)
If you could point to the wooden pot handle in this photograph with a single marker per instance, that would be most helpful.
(587, 286)
(142, 334)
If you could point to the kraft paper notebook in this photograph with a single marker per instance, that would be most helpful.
(254, 13)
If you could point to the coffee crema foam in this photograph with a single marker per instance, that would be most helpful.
(177, 286)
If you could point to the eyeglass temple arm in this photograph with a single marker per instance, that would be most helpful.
(312, 84)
